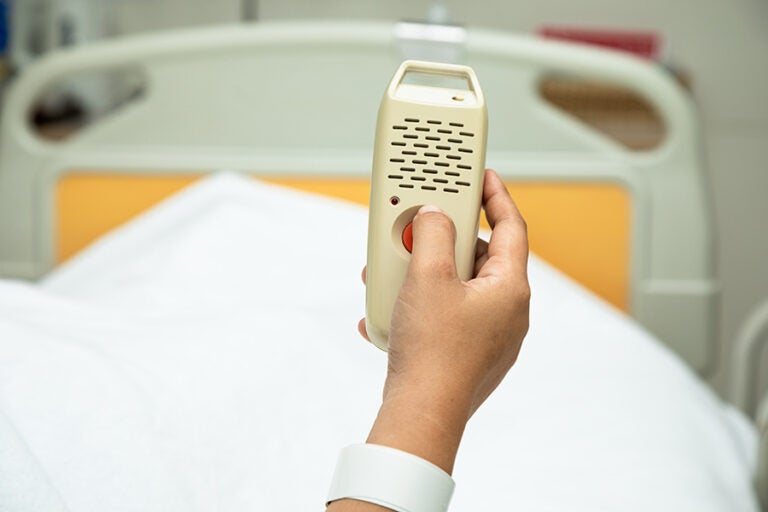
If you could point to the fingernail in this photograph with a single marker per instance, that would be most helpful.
(429, 208)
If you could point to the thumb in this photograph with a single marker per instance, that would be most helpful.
(434, 244)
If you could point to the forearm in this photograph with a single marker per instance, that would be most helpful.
(419, 424)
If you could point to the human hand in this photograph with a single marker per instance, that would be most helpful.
(452, 342)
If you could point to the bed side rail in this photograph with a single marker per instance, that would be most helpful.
(233, 97)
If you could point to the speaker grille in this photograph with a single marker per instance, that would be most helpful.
(432, 154)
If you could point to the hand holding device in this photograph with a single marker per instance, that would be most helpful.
(452, 342)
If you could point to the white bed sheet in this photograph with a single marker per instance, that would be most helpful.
(205, 357)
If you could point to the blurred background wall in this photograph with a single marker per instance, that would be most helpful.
(721, 46)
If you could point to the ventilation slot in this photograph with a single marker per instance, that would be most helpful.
(429, 162)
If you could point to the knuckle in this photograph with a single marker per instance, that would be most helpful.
(518, 296)
(523, 225)
(433, 268)
(441, 267)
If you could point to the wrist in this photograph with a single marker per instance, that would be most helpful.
(427, 423)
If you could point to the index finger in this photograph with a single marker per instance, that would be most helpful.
(509, 238)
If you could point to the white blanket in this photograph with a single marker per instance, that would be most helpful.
(205, 357)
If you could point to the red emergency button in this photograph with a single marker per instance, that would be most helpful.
(408, 237)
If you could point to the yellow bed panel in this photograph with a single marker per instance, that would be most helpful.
(581, 228)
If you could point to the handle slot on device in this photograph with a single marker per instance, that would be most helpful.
(436, 83)
(452, 82)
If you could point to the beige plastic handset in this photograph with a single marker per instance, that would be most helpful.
(429, 149)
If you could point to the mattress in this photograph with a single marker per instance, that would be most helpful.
(205, 357)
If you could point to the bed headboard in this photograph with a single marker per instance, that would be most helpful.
(299, 100)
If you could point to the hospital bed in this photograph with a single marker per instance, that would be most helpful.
(194, 356)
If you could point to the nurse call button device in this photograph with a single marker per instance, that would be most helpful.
(429, 150)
